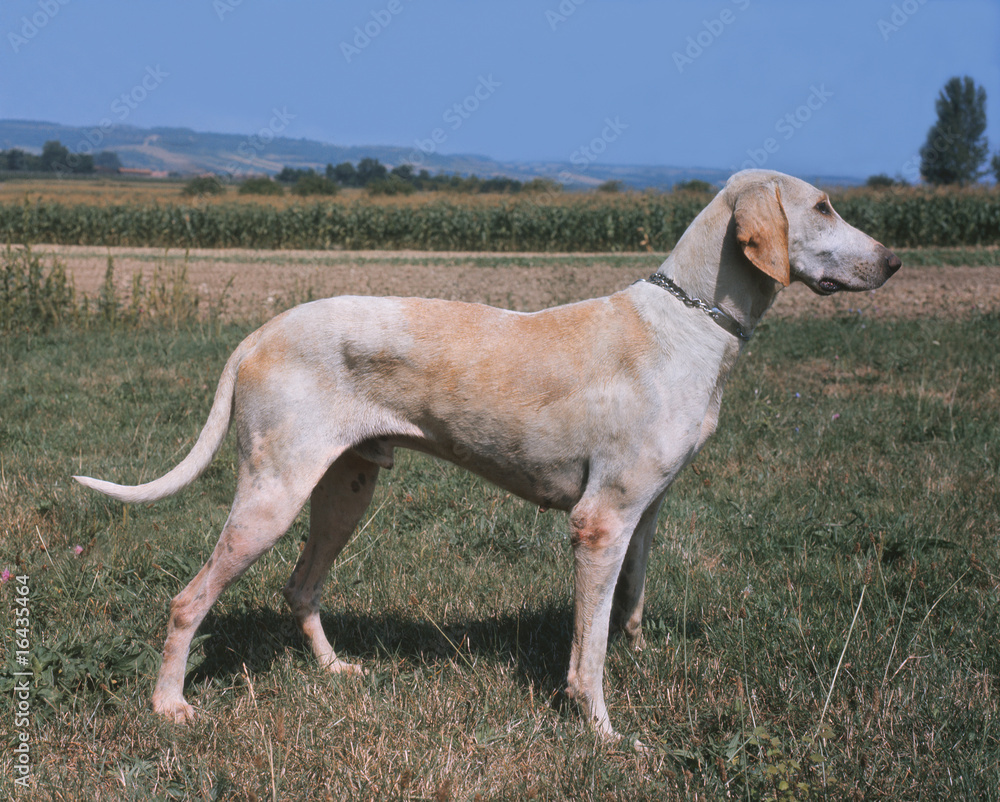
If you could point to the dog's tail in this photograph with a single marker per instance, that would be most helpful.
(191, 467)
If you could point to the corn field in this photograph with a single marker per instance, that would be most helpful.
(584, 223)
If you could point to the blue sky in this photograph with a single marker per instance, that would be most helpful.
(806, 87)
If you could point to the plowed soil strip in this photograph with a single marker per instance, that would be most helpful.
(262, 281)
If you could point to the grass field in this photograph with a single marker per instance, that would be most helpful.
(823, 601)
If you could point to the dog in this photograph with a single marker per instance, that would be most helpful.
(591, 408)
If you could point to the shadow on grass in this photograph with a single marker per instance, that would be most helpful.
(535, 642)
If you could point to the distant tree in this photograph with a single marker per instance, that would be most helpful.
(956, 146)
(80, 163)
(312, 183)
(261, 185)
(344, 174)
(880, 181)
(203, 185)
(54, 156)
(995, 166)
(17, 159)
(500, 183)
(694, 185)
(289, 175)
(471, 184)
(107, 160)
(404, 172)
(390, 185)
(370, 170)
(542, 185)
(424, 181)
(612, 186)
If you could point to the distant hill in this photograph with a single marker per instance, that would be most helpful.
(187, 152)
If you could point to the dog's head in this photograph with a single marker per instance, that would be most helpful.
(789, 230)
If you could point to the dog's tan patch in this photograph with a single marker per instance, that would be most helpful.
(569, 346)
(269, 354)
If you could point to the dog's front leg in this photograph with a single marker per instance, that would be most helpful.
(600, 537)
(626, 611)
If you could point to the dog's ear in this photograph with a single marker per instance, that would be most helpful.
(762, 231)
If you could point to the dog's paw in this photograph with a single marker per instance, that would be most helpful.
(174, 709)
(609, 737)
(343, 667)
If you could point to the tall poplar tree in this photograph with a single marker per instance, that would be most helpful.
(956, 146)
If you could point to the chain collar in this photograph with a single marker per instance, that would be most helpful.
(724, 319)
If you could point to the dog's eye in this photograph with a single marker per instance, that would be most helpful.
(823, 207)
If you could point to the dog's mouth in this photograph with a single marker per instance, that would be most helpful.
(828, 286)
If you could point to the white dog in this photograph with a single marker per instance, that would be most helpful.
(592, 408)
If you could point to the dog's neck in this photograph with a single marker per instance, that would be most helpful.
(732, 283)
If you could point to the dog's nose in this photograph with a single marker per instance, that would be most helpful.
(891, 261)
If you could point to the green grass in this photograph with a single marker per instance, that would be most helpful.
(855, 470)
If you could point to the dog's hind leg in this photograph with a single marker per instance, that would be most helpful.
(336, 506)
(264, 507)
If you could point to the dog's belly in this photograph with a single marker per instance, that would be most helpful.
(556, 484)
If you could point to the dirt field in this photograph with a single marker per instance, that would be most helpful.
(265, 280)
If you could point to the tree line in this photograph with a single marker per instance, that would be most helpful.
(380, 179)
(57, 158)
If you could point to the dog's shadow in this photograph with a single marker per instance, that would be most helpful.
(535, 642)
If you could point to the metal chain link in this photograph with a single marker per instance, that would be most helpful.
(725, 320)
